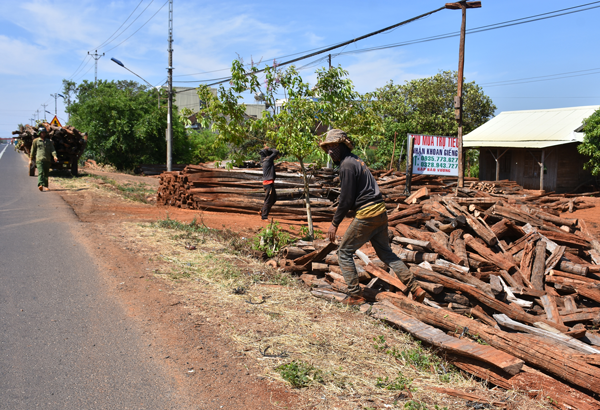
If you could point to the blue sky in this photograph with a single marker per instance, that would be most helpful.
(44, 42)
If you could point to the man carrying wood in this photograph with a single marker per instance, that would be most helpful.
(360, 193)
(268, 157)
(42, 152)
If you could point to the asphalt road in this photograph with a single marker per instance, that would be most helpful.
(64, 343)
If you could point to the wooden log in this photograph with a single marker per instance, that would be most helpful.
(292, 252)
(422, 192)
(529, 348)
(566, 239)
(574, 268)
(317, 255)
(463, 347)
(460, 250)
(538, 269)
(407, 241)
(412, 210)
(529, 381)
(482, 297)
(562, 340)
(431, 288)
(481, 229)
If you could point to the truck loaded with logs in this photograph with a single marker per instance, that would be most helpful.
(68, 141)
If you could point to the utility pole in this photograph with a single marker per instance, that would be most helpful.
(458, 101)
(170, 91)
(44, 105)
(32, 121)
(55, 95)
(96, 57)
(329, 161)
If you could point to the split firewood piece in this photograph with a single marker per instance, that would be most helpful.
(566, 238)
(550, 245)
(463, 346)
(554, 259)
(422, 192)
(534, 350)
(329, 295)
(442, 250)
(470, 397)
(316, 256)
(497, 259)
(558, 338)
(512, 298)
(527, 260)
(480, 314)
(538, 269)
(549, 303)
(381, 274)
(407, 241)
(481, 229)
(588, 358)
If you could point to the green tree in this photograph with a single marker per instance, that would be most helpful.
(124, 125)
(426, 106)
(293, 129)
(591, 143)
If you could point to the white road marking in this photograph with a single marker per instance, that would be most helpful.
(3, 151)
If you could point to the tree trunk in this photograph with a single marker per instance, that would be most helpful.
(311, 231)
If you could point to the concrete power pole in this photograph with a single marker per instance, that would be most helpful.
(458, 101)
(170, 91)
(44, 105)
(96, 57)
(55, 95)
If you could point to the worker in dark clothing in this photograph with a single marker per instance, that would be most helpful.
(360, 193)
(268, 157)
(42, 152)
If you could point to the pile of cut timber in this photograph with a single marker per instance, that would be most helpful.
(507, 271)
(241, 190)
(68, 141)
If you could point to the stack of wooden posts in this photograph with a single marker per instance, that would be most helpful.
(240, 190)
(68, 141)
(513, 292)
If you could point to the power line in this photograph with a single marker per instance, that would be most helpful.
(105, 41)
(125, 29)
(489, 27)
(161, 7)
(80, 65)
(542, 78)
(343, 44)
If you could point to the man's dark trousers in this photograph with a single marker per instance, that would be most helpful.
(270, 198)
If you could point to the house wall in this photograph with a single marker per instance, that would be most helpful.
(563, 167)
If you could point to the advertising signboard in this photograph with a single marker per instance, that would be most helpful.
(434, 155)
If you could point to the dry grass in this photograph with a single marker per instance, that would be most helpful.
(137, 192)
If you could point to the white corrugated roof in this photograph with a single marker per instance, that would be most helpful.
(531, 128)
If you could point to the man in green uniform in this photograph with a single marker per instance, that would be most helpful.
(42, 152)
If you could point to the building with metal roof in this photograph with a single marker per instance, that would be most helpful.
(535, 148)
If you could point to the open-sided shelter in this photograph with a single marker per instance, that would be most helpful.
(535, 148)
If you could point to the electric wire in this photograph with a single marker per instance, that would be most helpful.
(78, 68)
(345, 43)
(130, 24)
(541, 76)
(105, 41)
(147, 21)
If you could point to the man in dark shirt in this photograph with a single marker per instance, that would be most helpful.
(268, 157)
(360, 193)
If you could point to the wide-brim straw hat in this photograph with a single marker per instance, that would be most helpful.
(336, 136)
